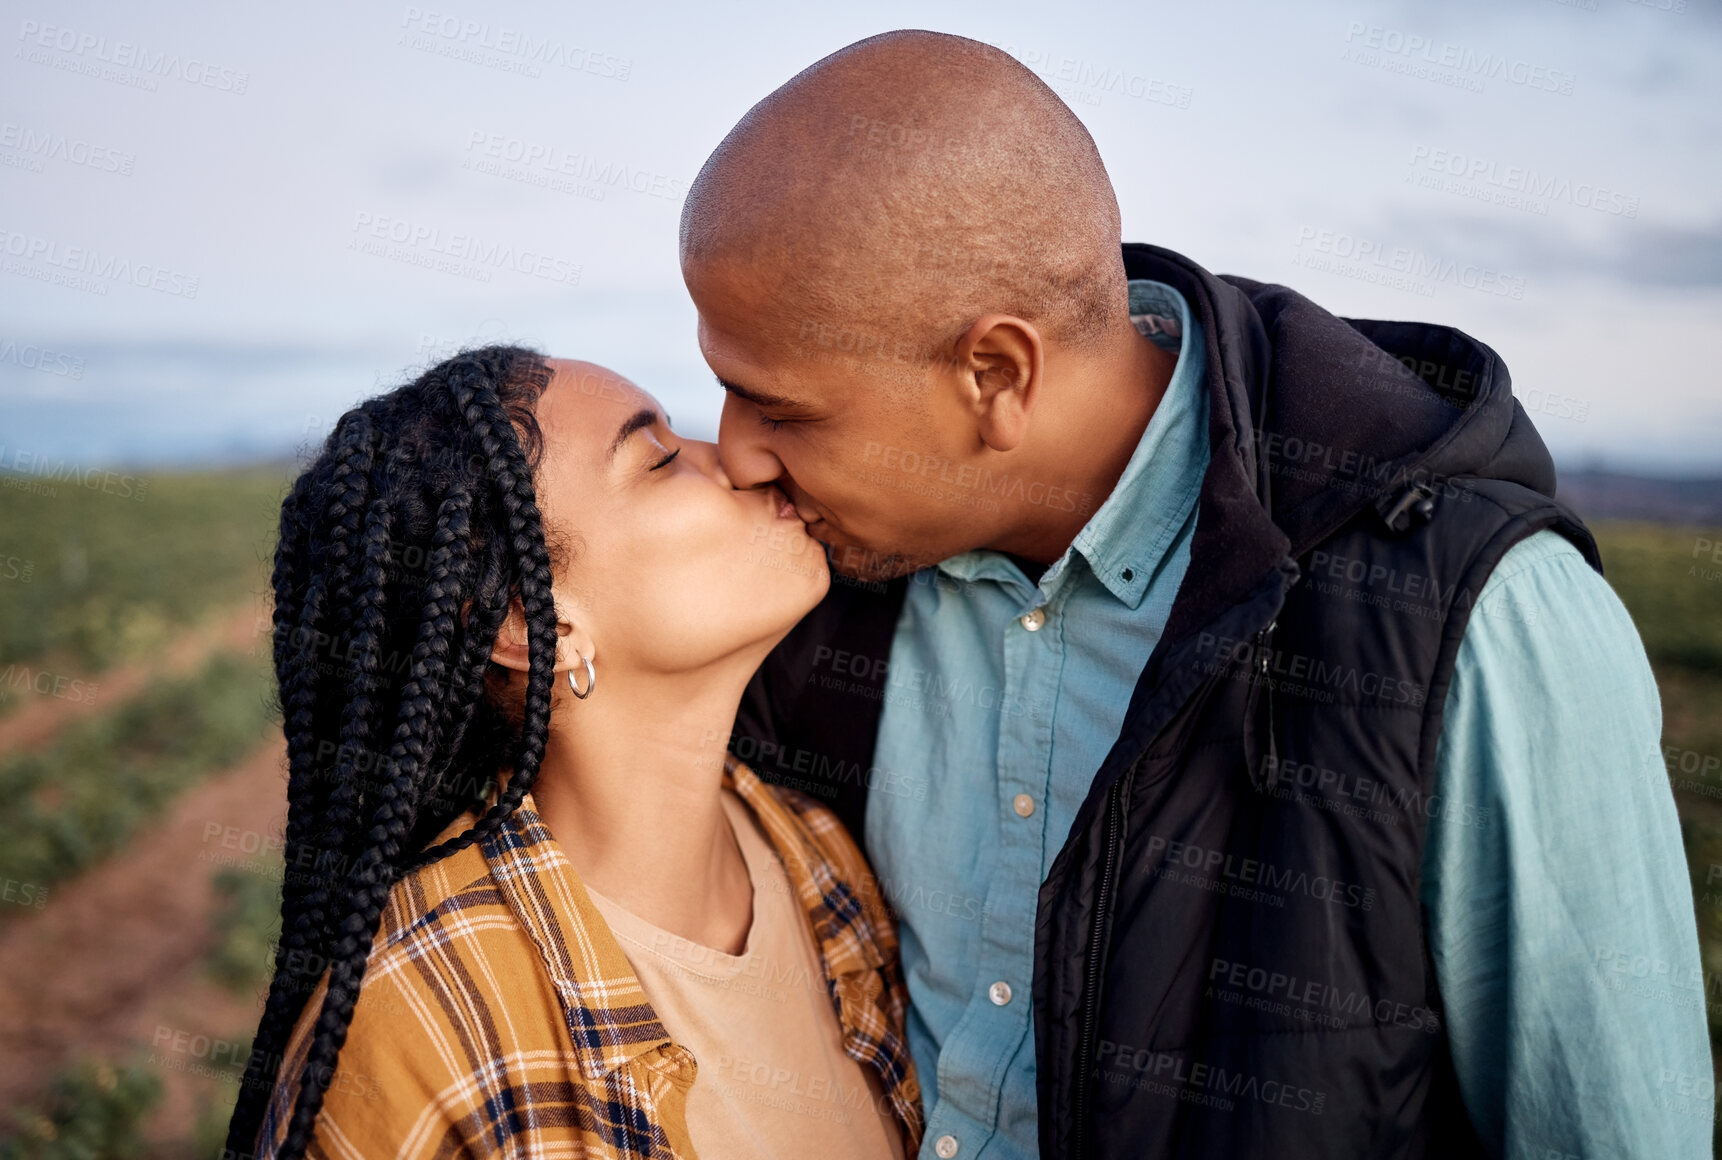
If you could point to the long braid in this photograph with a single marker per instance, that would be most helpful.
(295, 588)
(519, 500)
(298, 646)
(441, 467)
(390, 819)
(328, 787)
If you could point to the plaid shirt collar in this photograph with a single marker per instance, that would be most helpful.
(607, 1036)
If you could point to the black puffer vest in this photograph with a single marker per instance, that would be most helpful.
(1230, 955)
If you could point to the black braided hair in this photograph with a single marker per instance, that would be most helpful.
(402, 546)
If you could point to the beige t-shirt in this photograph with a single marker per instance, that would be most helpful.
(774, 1080)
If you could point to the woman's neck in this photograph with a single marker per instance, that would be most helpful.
(631, 787)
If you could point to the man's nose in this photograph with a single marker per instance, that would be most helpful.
(742, 446)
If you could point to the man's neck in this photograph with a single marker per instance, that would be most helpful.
(1110, 399)
(1033, 569)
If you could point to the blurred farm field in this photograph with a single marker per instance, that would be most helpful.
(114, 581)
(94, 575)
(76, 800)
(138, 744)
(1670, 580)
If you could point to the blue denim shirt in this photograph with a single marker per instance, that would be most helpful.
(1004, 696)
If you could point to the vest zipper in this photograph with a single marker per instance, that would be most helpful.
(1091, 981)
(1265, 690)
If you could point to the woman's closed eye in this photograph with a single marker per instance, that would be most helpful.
(665, 461)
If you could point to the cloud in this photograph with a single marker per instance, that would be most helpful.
(1626, 252)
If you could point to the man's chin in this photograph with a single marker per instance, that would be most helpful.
(860, 565)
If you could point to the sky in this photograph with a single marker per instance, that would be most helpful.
(223, 224)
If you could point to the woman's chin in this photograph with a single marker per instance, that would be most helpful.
(793, 557)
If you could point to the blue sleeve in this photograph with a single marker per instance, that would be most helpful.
(1555, 884)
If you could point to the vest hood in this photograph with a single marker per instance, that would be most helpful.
(1326, 416)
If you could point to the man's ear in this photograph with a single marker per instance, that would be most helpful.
(1001, 360)
(510, 649)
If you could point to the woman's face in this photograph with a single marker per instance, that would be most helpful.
(664, 566)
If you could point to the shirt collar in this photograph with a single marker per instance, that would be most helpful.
(836, 912)
(1125, 542)
(608, 1016)
(609, 1019)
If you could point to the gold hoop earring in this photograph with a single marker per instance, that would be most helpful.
(591, 679)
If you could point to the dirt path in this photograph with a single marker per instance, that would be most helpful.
(237, 629)
(112, 963)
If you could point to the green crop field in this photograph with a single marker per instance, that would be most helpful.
(75, 801)
(94, 575)
(1666, 579)
(90, 578)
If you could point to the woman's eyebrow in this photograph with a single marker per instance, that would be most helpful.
(638, 421)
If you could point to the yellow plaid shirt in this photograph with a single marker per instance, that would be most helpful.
(499, 1016)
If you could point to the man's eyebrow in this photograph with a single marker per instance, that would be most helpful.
(762, 398)
(638, 421)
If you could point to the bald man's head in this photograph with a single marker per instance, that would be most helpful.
(909, 184)
(918, 212)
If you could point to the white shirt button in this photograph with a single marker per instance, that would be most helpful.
(945, 1147)
(1022, 804)
(1033, 620)
(999, 993)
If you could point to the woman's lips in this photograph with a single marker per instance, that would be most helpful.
(783, 508)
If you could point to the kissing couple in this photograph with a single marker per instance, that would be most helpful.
(1082, 706)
